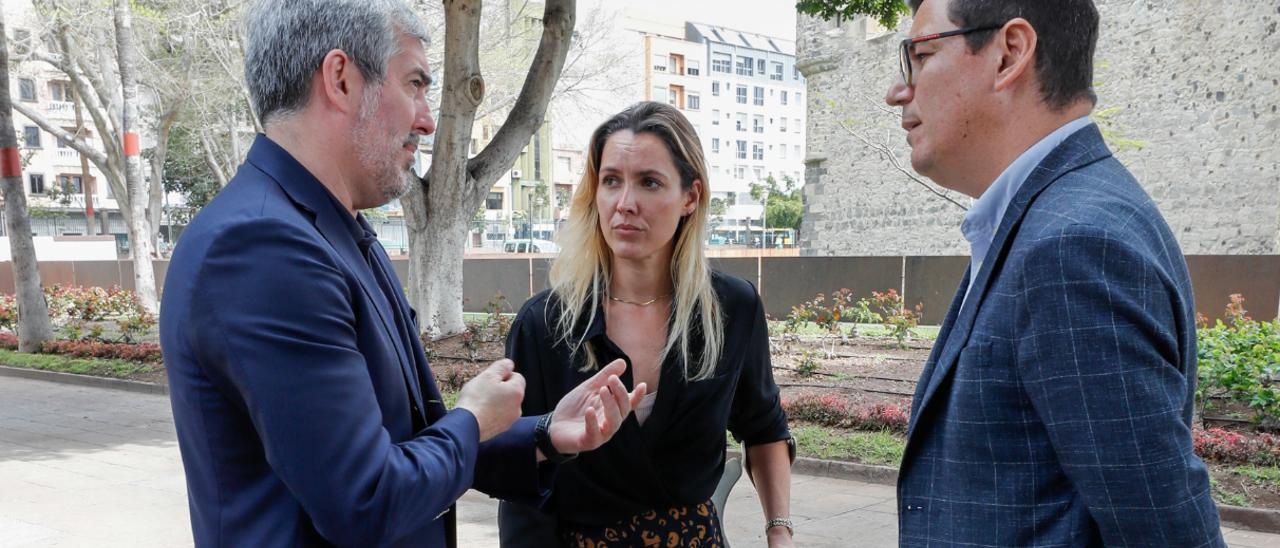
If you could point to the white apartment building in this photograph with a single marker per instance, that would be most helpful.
(745, 98)
(54, 176)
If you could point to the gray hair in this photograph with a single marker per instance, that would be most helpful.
(287, 40)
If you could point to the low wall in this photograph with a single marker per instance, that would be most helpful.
(783, 281)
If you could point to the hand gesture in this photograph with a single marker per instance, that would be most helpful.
(494, 398)
(593, 412)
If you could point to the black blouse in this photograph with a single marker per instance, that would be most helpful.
(677, 456)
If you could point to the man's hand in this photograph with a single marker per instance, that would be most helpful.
(494, 398)
(590, 414)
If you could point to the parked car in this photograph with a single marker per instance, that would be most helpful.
(530, 246)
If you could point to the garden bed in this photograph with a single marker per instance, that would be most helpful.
(847, 387)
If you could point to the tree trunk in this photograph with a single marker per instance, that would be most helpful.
(139, 225)
(155, 201)
(437, 214)
(34, 327)
(86, 179)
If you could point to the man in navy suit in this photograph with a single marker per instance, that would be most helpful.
(1055, 408)
(305, 410)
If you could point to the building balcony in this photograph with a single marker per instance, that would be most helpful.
(60, 109)
(66, 157)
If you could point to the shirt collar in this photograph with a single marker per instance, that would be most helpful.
(983, 218)
(361, 231)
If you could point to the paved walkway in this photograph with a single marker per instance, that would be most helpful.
(97, 467)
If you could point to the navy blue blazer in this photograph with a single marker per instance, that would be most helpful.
(1055, 408)
(293, 393)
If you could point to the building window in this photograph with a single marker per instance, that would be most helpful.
(759, 172)
(759, 96)
(715, 145)
(659, 62)
(739, 172)
(782, 124)
(742, 95)
(37, 183)
(494, 201)
(695, 68)
(797, 149)
(746, 66)
(537, 156)
(27, 90)
(782, 152)
(741, 122)
(31, 136)
(757, 124)
(742, 150)
(673, 97)
(715, 89)
(60, 91)
(777, 72)
(721, 62)
(797, 127)
(784, 96)
(760, 66)
(673, 63)
(757, 151)
(799, 101)
(715, 117)
(795, 73)
(70, 184)
(695, 101)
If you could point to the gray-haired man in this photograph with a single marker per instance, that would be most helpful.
(305, 410)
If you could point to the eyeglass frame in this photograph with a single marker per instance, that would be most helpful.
(905, 48)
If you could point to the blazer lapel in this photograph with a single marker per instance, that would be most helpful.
(1080, 149)
(309, 194)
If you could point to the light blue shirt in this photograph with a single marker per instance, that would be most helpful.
(984, 217)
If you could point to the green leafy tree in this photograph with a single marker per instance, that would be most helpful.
(886, 12)
(784, 206)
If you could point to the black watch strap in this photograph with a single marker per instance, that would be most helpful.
(542, 438)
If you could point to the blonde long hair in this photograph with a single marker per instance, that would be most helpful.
(580, 275)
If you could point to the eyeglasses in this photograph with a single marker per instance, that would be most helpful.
(909, 44)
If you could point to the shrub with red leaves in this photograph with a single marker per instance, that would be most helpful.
(140, 352)
(8, 341)
(835, 410)
(1230, 447)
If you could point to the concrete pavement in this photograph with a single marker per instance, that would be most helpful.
(84, 466)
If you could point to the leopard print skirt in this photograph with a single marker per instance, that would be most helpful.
(685, 526)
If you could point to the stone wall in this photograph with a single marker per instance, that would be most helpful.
(1196, 82)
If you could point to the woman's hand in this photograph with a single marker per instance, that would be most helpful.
(593, 412)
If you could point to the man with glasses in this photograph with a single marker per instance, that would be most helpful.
(1056, 406)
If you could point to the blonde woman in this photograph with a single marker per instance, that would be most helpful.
(632, 283)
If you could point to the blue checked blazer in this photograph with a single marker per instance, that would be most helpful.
(1055, 408)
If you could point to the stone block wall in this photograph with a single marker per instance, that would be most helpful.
(1196, 82)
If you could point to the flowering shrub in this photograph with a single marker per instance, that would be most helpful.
(895, 315)
(843, 308)
(1228, 447)
(78, 312)
(835, 410)
(9, 313)
(1239, 361)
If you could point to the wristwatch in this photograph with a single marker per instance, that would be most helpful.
(779, 522)
(542, 438)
